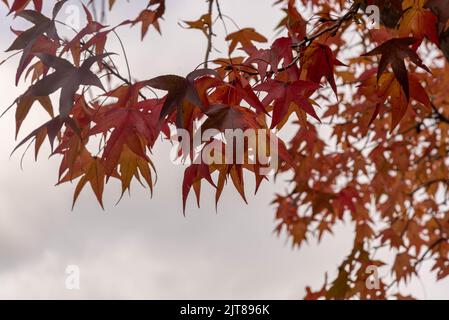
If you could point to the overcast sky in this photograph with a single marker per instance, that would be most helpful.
(145, 248)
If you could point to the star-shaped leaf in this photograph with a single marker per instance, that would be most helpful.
(66, 77)
(179, 89)
(393, 53)
(283, 94)
(245, 37)
(26, 40)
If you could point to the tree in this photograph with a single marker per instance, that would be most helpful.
(370, 115)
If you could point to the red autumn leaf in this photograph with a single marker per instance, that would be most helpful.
(90, 28)
(66, 77)
(318, 62)
(179, 89)
(388, 87)
(419, 22)
(283, 94)
(131, 123)
(393, 53)
(294, 22)
(19, 5)
(222, 117)
(280, 51)
(192, 177)
(30, 40)
(441, 9)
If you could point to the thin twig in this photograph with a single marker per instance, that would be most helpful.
(333, 28)
(124, 54)
(429, 249)
(210, 34)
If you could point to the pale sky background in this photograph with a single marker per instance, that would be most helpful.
(145, 248)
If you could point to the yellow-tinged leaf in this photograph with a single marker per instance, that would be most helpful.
(419, 22)
(245, 37)
(203, 23)
(132, 165)
(24, 105)
(96, 176)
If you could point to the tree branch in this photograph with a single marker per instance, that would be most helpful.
(331, 29)
(210, 34)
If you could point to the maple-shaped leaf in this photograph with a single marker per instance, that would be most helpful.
(442, 267)
(24, 105)
(42, 45)
(393, 53)
(131, 123)
(72, 146)
(441, 9)
(298, 231)
(388, 87)
(294, 22)
(192, 177)
(197, 172)
(99, 41)
(318, 61)
(245, 37)
(403, 268)
(180, 89)
(74, 44)
(222, 117)
(19, 5)
(149, 17)
(281, 50)
(132, 165)
(246, 92)
(237, 177)
(203, 23)
(283, 94)
(50, 129)
(95, 175)
(418, 21)
(259, 57)
(66, 77)
(42, 26)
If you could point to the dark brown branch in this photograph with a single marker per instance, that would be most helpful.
(428, 184)
(429, 249)
(210, 34)
(331, 29)
(116, 73)
(439, 115)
